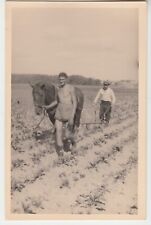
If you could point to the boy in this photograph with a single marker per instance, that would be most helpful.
(107, 97)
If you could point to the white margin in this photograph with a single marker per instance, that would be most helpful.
(2, 102)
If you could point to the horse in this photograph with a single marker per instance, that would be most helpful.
(45, 93)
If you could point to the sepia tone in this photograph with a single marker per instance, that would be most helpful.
(102, 178)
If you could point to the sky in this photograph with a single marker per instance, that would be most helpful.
(93, 42)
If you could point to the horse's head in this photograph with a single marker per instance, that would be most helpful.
(38, 92)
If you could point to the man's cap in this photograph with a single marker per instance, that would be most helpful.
(106, 82)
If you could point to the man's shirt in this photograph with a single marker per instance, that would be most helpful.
(105, 95)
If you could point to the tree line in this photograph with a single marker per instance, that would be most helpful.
(73, 79)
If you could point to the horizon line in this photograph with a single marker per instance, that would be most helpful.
(85, 76)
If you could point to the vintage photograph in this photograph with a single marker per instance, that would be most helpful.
(76, 81)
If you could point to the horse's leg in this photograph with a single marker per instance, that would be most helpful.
(52, 120)
(77, 118)
(74, 141)
(75, 130)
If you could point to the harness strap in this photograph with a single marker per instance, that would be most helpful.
(44, 114)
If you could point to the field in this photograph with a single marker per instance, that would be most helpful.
(100, 179)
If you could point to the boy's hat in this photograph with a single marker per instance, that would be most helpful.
(106, 82)
(62, 74)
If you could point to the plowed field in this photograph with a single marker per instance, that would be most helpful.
(100, 179)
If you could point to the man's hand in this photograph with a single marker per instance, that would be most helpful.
(54, 103)
(45, 107)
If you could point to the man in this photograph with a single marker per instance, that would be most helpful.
(107, 97)
(65, 113)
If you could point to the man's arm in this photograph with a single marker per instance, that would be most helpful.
(54, 103)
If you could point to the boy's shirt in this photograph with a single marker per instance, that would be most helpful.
(105, 95)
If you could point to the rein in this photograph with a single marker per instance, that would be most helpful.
(44, 114)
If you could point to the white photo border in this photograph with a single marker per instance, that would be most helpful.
(2, 153)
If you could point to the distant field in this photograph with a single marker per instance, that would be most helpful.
(100, 179)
